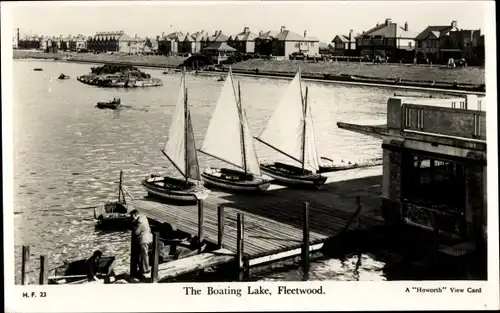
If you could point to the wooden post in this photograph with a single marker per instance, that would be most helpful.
(239, 245)
(44, 268)
(25, 260)
(120, 186)
(220, 224)
(155, 261)
(200, 220)
(358, 202)
(133, 264)
(305, 237)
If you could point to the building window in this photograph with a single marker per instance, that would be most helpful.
(390, 42)
(419, 44)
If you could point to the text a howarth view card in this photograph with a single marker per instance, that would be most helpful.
(226, 154)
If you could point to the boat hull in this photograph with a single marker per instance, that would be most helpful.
(107, 105)
(112, 216)
(292, 175)
(328, 165)
(173, 189)
(234, 180)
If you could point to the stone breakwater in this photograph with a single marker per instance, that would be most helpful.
(106, 81)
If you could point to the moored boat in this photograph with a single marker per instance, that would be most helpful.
(228, 139)
(180, 150)
(37, 69)
(290, 132)
(112, 215)
(75, 272)
(328, 165)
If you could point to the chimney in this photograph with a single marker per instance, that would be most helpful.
(216, 32)
(261, 33)
(135, 36)
(406, 26)
(305, 33)
(220, 32)
(283, 28)
(162, 34)
(350, 35)
(388, 21)
(246, 30)
(454, 24)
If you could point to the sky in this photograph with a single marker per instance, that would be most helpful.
(322, 19)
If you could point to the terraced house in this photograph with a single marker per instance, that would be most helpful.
(243, 42)
(440, 43)
(285, 42)
(387, 40)
(116, 41)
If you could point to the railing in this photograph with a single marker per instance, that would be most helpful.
(444, 121)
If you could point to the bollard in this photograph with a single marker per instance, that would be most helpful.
(24, 265)
(155, 261)
(44, 268)
(305, 237)
(220, 226)
(239, 245)
(120, 187)
(200, 221)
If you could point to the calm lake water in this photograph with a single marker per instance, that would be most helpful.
(68, 154)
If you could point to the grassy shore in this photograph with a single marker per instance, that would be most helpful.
(470, 75)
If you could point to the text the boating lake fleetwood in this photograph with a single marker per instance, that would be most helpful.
(250, 290)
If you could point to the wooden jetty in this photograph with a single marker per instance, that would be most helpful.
(253, 230)
(249, 230)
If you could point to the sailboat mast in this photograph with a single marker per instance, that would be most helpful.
(242, 133)
(185, 128)
(304, 131)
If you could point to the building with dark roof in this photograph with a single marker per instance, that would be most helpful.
(285, 43)
(440, 43)
(344, 45)
(243, 42)
(387, 40)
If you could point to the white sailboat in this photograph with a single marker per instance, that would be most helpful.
(228, 139)
(180, 150)
(290, 132)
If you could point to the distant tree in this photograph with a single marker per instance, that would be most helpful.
(148, 42)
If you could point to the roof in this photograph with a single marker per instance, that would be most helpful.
(342, 38)
(389, 30)
(271, 34)
(220, 37)
(246, 36)
(219, 46)
(288, 35)
(435, 31)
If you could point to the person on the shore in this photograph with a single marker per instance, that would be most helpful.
(92, 265)
(141, 240)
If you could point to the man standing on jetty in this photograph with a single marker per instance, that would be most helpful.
(141, 240)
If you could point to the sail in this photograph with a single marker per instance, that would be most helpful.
(223, 136)
(284, 130)
(251, 159)
(175, 145)
(311, 152)
(193, 169)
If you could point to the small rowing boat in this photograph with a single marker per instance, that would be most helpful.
(75, 272)
(113, 104)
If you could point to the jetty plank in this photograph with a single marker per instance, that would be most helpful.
(194, 263)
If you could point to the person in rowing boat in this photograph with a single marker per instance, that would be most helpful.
(141, 241)
(92, 265)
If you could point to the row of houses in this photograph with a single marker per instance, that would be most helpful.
(433, 44)
(385, 40)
